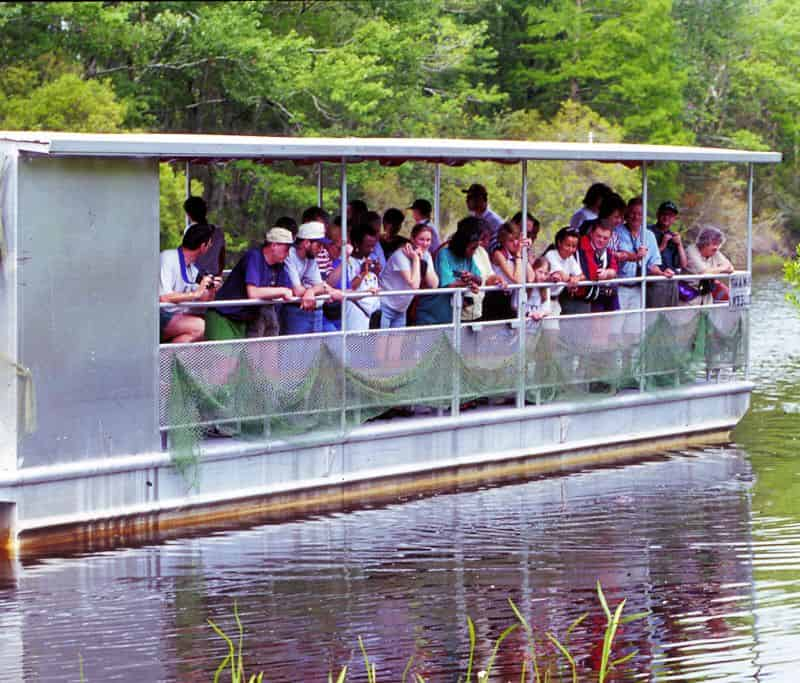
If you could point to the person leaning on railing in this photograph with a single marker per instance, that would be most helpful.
(181, 281)
(673, 256)
(307, 283)
(456, 268)
(637, 253)
(564, 266)
(259, 274)
(361, 276)
(597, 263)
(509, 265)
(409, 267)
(705, 258)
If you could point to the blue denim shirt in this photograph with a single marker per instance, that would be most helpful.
(624, 241)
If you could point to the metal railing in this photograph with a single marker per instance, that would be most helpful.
(455, 330)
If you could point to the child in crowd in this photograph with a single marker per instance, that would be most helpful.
(564, 266)
(539, 304)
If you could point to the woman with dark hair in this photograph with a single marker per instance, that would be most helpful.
(564, 265)
(591, 205)
(391, 240)
(456, 268)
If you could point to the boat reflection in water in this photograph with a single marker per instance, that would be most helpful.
(671, 534)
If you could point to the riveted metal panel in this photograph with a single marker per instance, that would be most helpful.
(88, 330)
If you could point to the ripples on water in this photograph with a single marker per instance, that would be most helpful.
(707, 540)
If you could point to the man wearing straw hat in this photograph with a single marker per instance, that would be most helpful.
(259, 274)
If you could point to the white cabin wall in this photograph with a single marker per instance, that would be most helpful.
(87, 306)
(8, 311)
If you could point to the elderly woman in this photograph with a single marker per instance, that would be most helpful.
(705, 258)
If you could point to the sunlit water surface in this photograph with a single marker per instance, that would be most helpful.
(707, 541)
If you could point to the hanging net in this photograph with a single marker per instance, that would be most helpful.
(293, 388)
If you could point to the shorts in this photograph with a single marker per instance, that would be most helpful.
(164, 318)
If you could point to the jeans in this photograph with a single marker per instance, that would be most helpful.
(392, 318)
(296, 321)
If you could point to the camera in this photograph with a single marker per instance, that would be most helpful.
(203, 274)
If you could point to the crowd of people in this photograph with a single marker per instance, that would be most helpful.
(296, 265)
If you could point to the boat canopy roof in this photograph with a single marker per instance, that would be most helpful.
(389, 151)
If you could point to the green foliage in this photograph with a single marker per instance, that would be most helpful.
(66, 103)
(719, 73)
(172, 187)
(791, 273)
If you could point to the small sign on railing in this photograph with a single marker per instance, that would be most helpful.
(740, 291)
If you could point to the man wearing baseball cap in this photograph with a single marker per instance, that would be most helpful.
(259, 274)
(673, 256)
(421, 211)
(478, 205)
(670, 244)
(307, 282)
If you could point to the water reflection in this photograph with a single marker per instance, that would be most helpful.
(707, 541)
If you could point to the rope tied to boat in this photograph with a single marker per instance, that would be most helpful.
(26, 400)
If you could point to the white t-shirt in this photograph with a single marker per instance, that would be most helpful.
(568, 266)
(171, 279)
(581, 215)
(392, 279)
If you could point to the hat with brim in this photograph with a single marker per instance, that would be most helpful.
(313, 230)
(667, 206)
(279, 236)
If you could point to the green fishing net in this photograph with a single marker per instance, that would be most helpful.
(296, 388)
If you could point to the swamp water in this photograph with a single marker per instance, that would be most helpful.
(707, 540)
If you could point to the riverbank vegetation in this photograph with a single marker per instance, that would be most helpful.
(665, 71)
(543, 658)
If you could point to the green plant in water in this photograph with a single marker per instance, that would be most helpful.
(234, 657)
(542, 672)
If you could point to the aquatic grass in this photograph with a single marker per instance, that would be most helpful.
(233, 657)
(542, 670)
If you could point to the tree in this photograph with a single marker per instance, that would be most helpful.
(66, 103)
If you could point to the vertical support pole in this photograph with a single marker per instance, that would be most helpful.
(523, 293)
(643, 302)
(319, 184)
(458, 304)
(437, 192)
(343, 285)
(750, 218)
(750, 179)
(188, 188)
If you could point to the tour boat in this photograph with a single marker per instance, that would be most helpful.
(104, 432)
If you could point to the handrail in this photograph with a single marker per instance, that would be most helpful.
(441, 326)
(450, 290)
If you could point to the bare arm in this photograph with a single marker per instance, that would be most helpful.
(201, 293)
(499, 259)
(254, 292)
